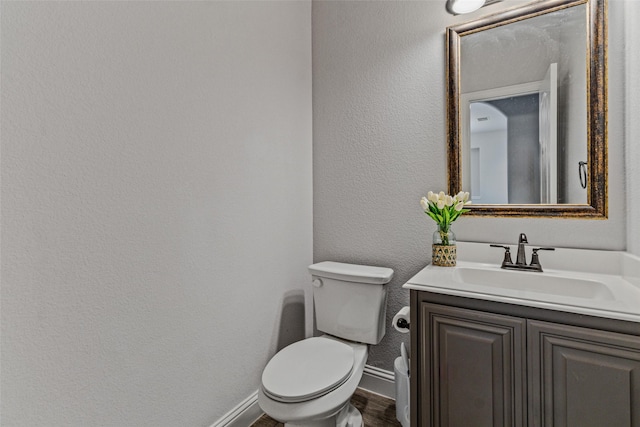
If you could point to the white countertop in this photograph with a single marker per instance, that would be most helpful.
(616, 274)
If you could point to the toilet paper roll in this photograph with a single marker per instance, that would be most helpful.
(402, 314)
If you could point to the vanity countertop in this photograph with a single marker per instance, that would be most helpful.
(591, 282)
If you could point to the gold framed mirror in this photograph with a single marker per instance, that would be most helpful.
(527, 110)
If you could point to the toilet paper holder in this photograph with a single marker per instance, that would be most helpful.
(402, 324)
(401, 320)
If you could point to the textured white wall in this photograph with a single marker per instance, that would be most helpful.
(379, 143)
(156, 205)
(632, 137)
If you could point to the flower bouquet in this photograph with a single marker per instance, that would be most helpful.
(444, 209)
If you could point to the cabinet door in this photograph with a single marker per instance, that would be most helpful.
(472, 368)
(581, 377)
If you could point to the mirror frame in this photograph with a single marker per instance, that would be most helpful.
(596, 206)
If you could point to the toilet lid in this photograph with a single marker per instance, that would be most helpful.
(307, 369)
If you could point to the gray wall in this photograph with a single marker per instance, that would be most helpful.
(523, 148)
(156, 206)
(379, 143)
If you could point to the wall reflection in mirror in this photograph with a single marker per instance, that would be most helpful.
(524, 110)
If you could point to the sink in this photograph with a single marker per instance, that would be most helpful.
(583, 281)
(541, 283)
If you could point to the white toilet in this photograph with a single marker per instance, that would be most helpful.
(309, 383)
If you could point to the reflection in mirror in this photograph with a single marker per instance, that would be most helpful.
(548, 60)
(512, 144)
(525, 111)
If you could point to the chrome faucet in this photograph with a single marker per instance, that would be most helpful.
(521, 257)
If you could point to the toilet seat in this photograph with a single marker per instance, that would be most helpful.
(307, 369)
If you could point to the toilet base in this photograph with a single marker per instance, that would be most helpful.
(349, 416)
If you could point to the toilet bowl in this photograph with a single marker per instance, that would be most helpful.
(310, 383)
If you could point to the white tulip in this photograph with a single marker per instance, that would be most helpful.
(424, 203)
(441, 200)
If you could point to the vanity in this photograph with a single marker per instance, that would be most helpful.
(495, 347)
(554, 341)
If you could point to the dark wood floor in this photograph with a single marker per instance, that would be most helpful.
(377, 411)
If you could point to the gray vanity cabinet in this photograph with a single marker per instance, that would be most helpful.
(482, 363)
(476, 362)
(582, 377)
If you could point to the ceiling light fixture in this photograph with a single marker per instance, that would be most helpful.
(458, 7)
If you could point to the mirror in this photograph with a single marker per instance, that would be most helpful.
(526, 112)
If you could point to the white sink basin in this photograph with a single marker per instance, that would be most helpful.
(534, 282)
(583, 281)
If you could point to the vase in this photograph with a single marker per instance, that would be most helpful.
(443, 249)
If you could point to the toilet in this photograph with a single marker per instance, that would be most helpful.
(310, 383)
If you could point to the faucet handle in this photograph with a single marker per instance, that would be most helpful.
(507, 254)
(535, 261)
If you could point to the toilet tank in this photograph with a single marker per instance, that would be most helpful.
(350, 300)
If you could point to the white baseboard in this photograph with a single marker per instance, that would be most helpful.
(378, 381)
(242, 415)
(373, 379)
